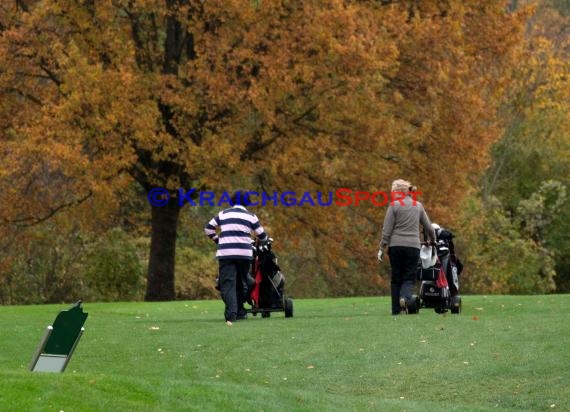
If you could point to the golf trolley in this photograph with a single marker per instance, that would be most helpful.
(266, 283)
(439, 287)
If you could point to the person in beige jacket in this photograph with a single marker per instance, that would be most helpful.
(401, 234)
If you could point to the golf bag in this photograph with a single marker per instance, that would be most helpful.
(266, 283)
(439, 287)
(449, 260)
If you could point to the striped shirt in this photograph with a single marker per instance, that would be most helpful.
(236, 225)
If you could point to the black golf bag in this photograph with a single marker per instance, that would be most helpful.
(266, 284)
(439, 284)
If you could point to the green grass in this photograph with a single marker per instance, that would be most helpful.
(501, 353)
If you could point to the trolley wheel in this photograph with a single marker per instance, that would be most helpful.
(265, 314)
(414, 305)
(456, 304)
(288, 308)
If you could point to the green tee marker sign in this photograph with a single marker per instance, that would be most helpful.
(59, 341)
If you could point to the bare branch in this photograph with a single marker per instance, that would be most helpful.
(34, 220)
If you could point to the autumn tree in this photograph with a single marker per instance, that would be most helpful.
(177, 94)
(441, 110)
(275, 96)
(527, 181)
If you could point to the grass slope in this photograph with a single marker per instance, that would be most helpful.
(501, 353)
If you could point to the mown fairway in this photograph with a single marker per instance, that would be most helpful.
(501, 353)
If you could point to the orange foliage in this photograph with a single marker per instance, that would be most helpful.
(276, 95)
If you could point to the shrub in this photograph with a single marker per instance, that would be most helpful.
(113, 270)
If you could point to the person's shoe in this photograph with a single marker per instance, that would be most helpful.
(229, 323)
(403, 305)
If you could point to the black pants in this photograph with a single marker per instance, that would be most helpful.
(404, 263)
(232, 280)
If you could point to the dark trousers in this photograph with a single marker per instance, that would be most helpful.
(232, 278)
(404, 263)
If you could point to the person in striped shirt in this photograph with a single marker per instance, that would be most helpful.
(235, 226)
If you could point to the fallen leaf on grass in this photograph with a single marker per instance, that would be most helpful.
(154, 328)
(310, 367)
(475, 317)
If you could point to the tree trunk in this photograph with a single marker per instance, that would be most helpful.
(160, 276)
